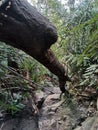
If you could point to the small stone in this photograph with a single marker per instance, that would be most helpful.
(0, 2)
(1, 115)
(52, 97)
(60, 122)
(53, 123)
(51, 113)
(55, 106)
(64, 118)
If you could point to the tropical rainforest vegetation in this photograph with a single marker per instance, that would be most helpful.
(76, 48)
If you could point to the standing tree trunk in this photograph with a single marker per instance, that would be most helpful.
(23, 27)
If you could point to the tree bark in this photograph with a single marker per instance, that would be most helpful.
(23, 27)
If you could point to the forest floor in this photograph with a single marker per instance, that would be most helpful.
(78, 112)
(68, 113)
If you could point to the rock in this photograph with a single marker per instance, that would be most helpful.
(22, 120)
(20, 124)
(52, 97)
(55, 106)
(40, 97)
(58, 114)
(90, 124)
(53, 123)
(1, 115)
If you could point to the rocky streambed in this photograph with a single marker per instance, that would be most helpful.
(54, 113)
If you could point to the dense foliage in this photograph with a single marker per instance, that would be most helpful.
(19, 74)
(77, 46)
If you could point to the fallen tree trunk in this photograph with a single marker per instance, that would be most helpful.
(23, 27)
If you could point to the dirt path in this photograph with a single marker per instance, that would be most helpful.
(59, 114)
